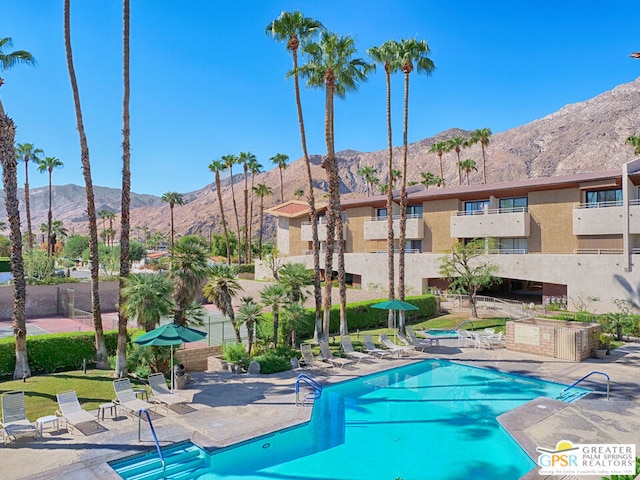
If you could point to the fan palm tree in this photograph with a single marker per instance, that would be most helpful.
(230, 161)
(468, 165)
(274, 297)
(280, 159)
(245, 159)
(634, 141)
(101, 349)
(455, 144)
(439, 148)
(388, 55)
(26, 152)
(147, 298)
(331, 66)
(247, 315)
(111, 217)
(414, 55)
(216, 166)
(369, 176)
(295, 277)
(428, 178)
(483, 137)
(262, 190)
(293, 28)
(221, 288)
(188, 270)
(103, 216)
(47, 165)
(255, 168)
(173, 199)
(10, 183)
(298, 193)
(125, 204)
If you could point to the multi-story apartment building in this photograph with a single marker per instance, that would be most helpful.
(564, 237)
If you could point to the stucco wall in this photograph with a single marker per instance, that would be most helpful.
(552, 212)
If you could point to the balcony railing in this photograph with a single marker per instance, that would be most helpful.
(396, 250)
(509, 251)
(395, 217)
(321, 221)
(615, 203)
(491, 211)
(598, 251)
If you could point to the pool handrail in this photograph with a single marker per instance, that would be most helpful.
(155, 438)
(309, 381)
(587, 376)
(466, 321)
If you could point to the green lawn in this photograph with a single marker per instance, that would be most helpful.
(93, 388)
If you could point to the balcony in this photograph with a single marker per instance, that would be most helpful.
(376, 228)
(305, 231)
(602, 218)
(499, 222)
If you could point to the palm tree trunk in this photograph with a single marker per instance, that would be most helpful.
(235, 209)
(403, 204)
(171, 213)
(121, 353)
(224, 222)
(390, 236)
(261, 223)
(247, 245)
(49, 219)
(249, 259)
(484, 165)
(441, 171)
(27, 204)
(315, 243)
(10, 183)
(281, 184)
(101, 349)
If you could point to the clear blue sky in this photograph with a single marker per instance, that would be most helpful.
(206, 81)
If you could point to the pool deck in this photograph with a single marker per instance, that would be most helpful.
(232, 407)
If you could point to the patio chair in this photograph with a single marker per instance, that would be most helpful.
(329, 357)
(70, 410)
(465, 339)
(350, 352)
(372, 349)
(14, 417)
(309, 360)
(499, 340)
(414, 345)
(428, 341)
(127, 399)
(161, 394)
(397, 349)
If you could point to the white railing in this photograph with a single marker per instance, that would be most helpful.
(635, 201)
(396, 217)
(509, 308)
(598, 251)
(491, 211)
(321, 221)
(615, 203)
(508, 251)
(396, 250)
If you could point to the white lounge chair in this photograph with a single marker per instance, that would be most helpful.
(69, 408)
(372, 349)
(350, 352)
(161, 394)
(465, 339)
(329, 357)
(421, 347)
(499, 340)
(126, 397)
(429, 341)
(14, 417)
(397, 349)
(309, 360)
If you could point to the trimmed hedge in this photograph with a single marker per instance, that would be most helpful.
(57, 351)
(5, 265)
(247, 268)
(361, 316)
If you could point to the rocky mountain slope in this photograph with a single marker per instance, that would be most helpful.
(581, 137)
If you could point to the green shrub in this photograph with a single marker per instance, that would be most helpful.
(276, 361)
(58, 351)
(235, 353)
(247, 268)
(5, 265)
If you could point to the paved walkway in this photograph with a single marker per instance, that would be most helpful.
(233, 407)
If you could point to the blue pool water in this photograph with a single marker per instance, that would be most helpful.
(433, 419)
(443, 333)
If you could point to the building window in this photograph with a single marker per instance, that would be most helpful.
(604, 198)
(413, 246)
(477, 207)
(414, 211)
(513, 245)
(517, 204)
(381, 213)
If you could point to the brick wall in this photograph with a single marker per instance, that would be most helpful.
(195, 360)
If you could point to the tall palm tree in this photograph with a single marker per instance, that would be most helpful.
(58, 231)
(48, 164)
(26, 152)
(188, 271)
(634, 141)
(428, 179)
(221, 288)
(216, 166)
(369, 176)
(111, 216)
(230, 161)
(101, 349)
(255, 168)
(146, 298)
(10, 183)
(125, 204)
(483, 137)
(293, 28)
(103, 214)
(248, 314)
(245, 159)
(262, 190)
(455, 144)
(173, 199)
(274, 297)
(439, 148)
(468, 165)
(414, 55)
(388, 55)
(331, 65)
(295, 277)
(280, 159)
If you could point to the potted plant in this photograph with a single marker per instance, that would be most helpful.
(599, 349)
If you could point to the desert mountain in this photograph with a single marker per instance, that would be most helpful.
(580, 137)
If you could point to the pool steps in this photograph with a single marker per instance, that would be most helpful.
(188, 459)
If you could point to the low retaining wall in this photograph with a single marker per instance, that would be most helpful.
(195, 360)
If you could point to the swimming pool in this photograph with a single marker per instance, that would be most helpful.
(442, 333)
(433, 419)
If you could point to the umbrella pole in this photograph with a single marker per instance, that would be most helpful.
(171, 369)
(395, 326)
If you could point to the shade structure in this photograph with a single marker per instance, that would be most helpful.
(169, 335)
(394, 305)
